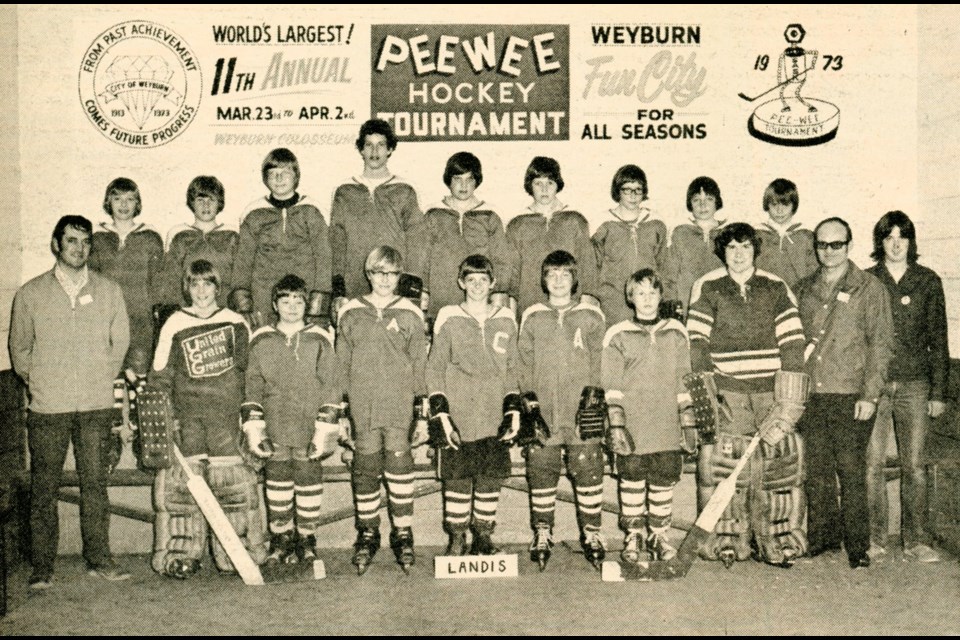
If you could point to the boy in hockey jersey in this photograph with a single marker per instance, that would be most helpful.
(280, 234)
(200, 361)
(381, 354)
(631, 240)
(289, 416)
(787, 247)
(131, 254)
(547, 225)
(471, 374)
(375, 208)
(560, 346)
(644, 362)
(691, 245)
(203, 239)
(459, 226)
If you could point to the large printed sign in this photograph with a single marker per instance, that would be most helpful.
(472, 82)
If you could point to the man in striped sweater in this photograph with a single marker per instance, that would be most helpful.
(745, 329)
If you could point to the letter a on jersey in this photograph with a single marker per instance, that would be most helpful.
(578, 340)
(393, 326)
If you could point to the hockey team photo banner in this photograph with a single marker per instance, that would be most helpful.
(472, 82)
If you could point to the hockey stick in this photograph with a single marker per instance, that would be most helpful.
(217, 519)
(760, 95)
(679, 565)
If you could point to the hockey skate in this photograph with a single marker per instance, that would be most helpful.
(727, 555)
(401, 541)
(368, 541)
(283, 548)
(660, 548)
(594, 550)
(458, 543)
(182, 568)
(482, 542)
(541, 545)
(307, 548)
(633, 547)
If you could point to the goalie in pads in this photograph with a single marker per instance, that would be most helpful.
(747, 344)
(199, 363)
(290, 418)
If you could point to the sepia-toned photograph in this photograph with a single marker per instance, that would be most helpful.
(479, 320)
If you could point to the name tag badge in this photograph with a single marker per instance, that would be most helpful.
(85, 299)
(905, 300)
(843, 297)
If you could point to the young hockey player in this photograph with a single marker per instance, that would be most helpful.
(131, 254)
(644, 362)
(382, 352)
(691, 246)
(560, 347)
(200, 361)
(787, 247)
(471, 375)
(632, 240)
(376, 208)
(746, 344)
(290, 413)
(458, 226)
(280, 234)
(546, 226)
(203, 239)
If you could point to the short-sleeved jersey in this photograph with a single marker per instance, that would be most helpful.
(448, 238)
(290, 378)
(533, 236)
(276, 241)
(185, 244)
(643, 369)
(361, 220)
(381, 355)
(623, 248)
(200, 362)
(473, 363)
(560, 352)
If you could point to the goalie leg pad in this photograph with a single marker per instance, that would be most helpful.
(398, 472)
(235, 486)
(543, 475)
(715, 463)
(778, 504)
(179, 529)
(367, 471)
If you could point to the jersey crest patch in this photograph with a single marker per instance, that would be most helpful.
(209, 354)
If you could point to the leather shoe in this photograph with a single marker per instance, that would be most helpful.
(859, 560)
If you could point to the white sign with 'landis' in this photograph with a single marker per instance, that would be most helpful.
(498, 566)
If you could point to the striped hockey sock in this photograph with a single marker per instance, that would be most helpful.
(308, 488)
(633, 504)
(456, 503)
(590, 505)
(661, 508)
(486, 498)
(280, 495)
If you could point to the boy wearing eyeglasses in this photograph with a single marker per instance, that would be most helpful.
(382, 355)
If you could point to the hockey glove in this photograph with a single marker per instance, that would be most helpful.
(619, 440)
(419, 427)
(443, 432)
(534, 430)
(255, 429)
(510, 426)
(326, 429)
(592, 413)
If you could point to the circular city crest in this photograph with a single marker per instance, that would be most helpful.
(140, 84)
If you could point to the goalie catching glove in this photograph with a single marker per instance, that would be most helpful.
(790, 393)
(619, 440)
(326, 432)
(443, 432)
(255, 430)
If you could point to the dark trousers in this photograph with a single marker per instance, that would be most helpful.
(836, 448)
(49, 435)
